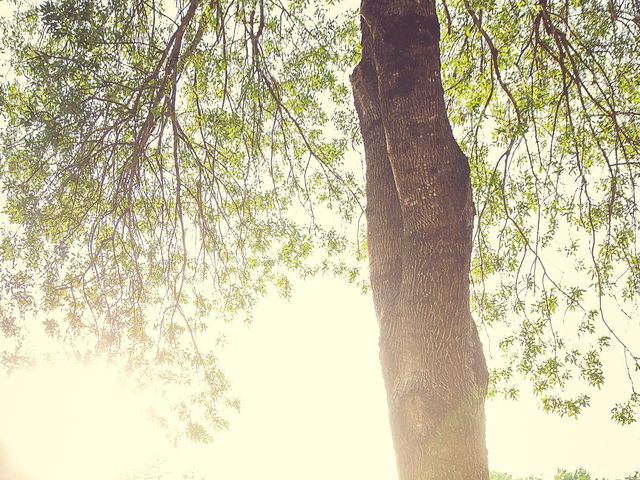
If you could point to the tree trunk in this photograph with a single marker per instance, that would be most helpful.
(420, 221)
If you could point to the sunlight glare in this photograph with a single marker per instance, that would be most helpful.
(74, 423)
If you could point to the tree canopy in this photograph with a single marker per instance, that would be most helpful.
(545, 96)
(164, 165)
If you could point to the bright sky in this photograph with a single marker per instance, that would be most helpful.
(313, 407)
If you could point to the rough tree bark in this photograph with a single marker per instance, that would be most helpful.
(420, 221)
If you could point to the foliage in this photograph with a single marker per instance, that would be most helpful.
(506, 476)
(544, 98)
(163, 168)
(579, 474)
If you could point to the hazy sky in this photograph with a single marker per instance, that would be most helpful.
(313, 407)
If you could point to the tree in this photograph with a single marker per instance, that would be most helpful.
(150, 150)
(420, 221)
(420, 208)
(420, 212)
